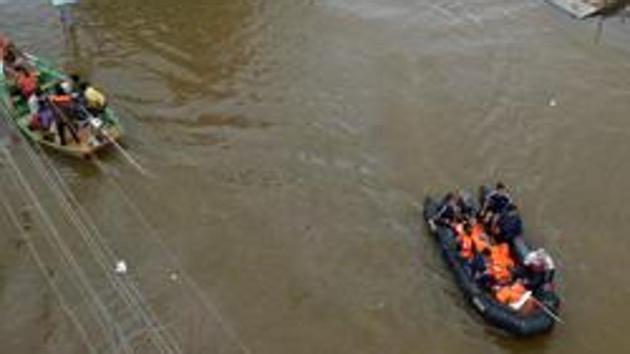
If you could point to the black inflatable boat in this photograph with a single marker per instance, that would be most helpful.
(540, 319)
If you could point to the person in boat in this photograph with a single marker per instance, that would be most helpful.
(481, 269)
(539, 268)
(478, 235)
(495, 203)
(25, 81)
(454, 210)
(42, 113)
(12, 59)
(500, 264)
(62, 106)
(465, 244)
(508, 225)
(5, 44)
(95, 101)
(448, 213)
(72, 87)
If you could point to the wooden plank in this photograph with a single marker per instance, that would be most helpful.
(579, 8)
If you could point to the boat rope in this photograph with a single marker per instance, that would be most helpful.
(66, 253)
(104, 255)
(128, 293)
(151, 231)
(49, 279)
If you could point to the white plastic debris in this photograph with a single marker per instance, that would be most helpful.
(174, 276)
(553, 102)
(121, 267)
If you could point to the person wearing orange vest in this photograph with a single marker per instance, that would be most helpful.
(500, 254)
(479, 237)
(465, 242)
(501, 263)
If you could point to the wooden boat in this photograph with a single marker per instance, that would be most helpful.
(539, 320)
(94, 134)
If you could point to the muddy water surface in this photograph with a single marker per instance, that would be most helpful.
(291, 143)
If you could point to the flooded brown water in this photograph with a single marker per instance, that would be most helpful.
(291, 143)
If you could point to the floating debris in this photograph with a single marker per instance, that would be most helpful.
(121, 267)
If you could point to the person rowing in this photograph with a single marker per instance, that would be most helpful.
(63, 106)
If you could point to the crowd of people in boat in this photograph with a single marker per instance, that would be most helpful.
(485, 242)
(62, 106)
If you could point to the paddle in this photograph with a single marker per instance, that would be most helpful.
(97, 124)
(547, 310)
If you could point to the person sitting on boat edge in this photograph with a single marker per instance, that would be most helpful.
(71, 86)
(5, 46)
(448, 212)
(495, 203)
(453, 211)
(26, 82)
(539, 268)
(12, 59)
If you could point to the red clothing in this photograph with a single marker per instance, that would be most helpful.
(27, 84)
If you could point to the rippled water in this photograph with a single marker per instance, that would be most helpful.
(292, 142)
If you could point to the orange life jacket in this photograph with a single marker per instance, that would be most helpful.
(61, 100)
(501, 263)
(479, 238)
(500, 273)
(500, 255)
(466, 246)
(510, 293)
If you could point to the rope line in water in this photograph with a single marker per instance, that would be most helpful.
(101, 251)
(105, 258)
(54, 238)
(51, 282)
